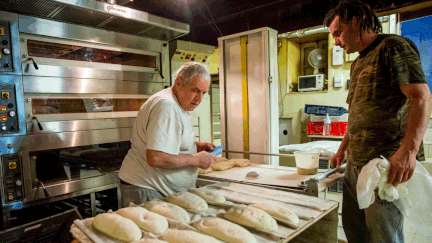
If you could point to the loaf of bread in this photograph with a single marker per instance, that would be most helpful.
(168, 210)
(187, 236)
(146, 220)
(252, 217)
(220, 159)
(151, 241)
(204, 171)
(187, 200)
(208, 196)
(117, 227)
(279, 212)
(224, 230)
(240, 162)
(222, 165)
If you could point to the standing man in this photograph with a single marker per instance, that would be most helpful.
(164, 158)
(389, 109)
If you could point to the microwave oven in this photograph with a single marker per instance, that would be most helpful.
(311, 82)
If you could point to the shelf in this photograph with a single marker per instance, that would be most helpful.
(308, 92)
(328, 136)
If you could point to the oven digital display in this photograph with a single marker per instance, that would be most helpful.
(63, 105)
(87, 54)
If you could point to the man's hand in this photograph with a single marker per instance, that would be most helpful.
(402, 165)
(204, 146)
(337, 159)
(205, 160)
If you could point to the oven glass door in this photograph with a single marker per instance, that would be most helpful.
(45, 106)
(59, 166)
(45, 49)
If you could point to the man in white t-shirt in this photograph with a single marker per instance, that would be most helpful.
(164, 158)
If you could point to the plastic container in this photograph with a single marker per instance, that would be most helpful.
(306, 162)
(321, 118)
(327, 126)
(337, 128)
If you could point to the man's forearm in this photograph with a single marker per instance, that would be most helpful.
(344, 144)
(418, 119)
(168, 161)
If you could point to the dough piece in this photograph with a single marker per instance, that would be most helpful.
(168, 210)
(148, 221)
(204, 171)
(252, 175)
(278, 212)
(252, 217)
(117, 226)
(150, 241)
(187, 200)
(224, 230)
(187, 236)
(208, 196)
(223, 165)
(220, 159)
(240, 162)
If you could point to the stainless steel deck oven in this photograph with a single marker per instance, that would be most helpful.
(73, 76)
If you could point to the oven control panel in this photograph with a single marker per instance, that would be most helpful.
(5, 48)
(13, 183)
(8, 109)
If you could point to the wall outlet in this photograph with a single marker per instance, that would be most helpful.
(338, 80)
(338, 58)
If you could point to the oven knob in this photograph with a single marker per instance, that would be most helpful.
(6, 51)
(18, 183)
(10, 197)
(11, 113)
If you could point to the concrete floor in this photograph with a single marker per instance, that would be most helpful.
(410, 232)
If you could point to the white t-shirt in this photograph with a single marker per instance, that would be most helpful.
(161, 125)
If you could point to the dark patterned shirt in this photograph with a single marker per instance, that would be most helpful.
(378, 109)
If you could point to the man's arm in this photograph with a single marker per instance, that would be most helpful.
(168, 161)
(339, 157)
(403, 162)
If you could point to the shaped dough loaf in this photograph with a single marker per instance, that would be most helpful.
(117, 226)
(187, 200)
(223, 165)
(220, 159)
(240, 162)
(208, 196)
(224, 230)
(168, 210)
(187, 236)
(278, 212)
(151, 241)
(146, 220)
(204, 171)
(252, 217)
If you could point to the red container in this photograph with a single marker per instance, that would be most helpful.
(337, 128)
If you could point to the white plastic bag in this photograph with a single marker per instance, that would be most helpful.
(415, 195)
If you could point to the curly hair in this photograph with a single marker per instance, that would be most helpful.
(346, 10)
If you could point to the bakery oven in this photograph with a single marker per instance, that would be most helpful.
(72, 79)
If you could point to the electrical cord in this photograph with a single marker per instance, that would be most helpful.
(213, 18)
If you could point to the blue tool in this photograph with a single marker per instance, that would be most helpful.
(216, 151)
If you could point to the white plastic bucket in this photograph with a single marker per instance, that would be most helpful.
(306, 162)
